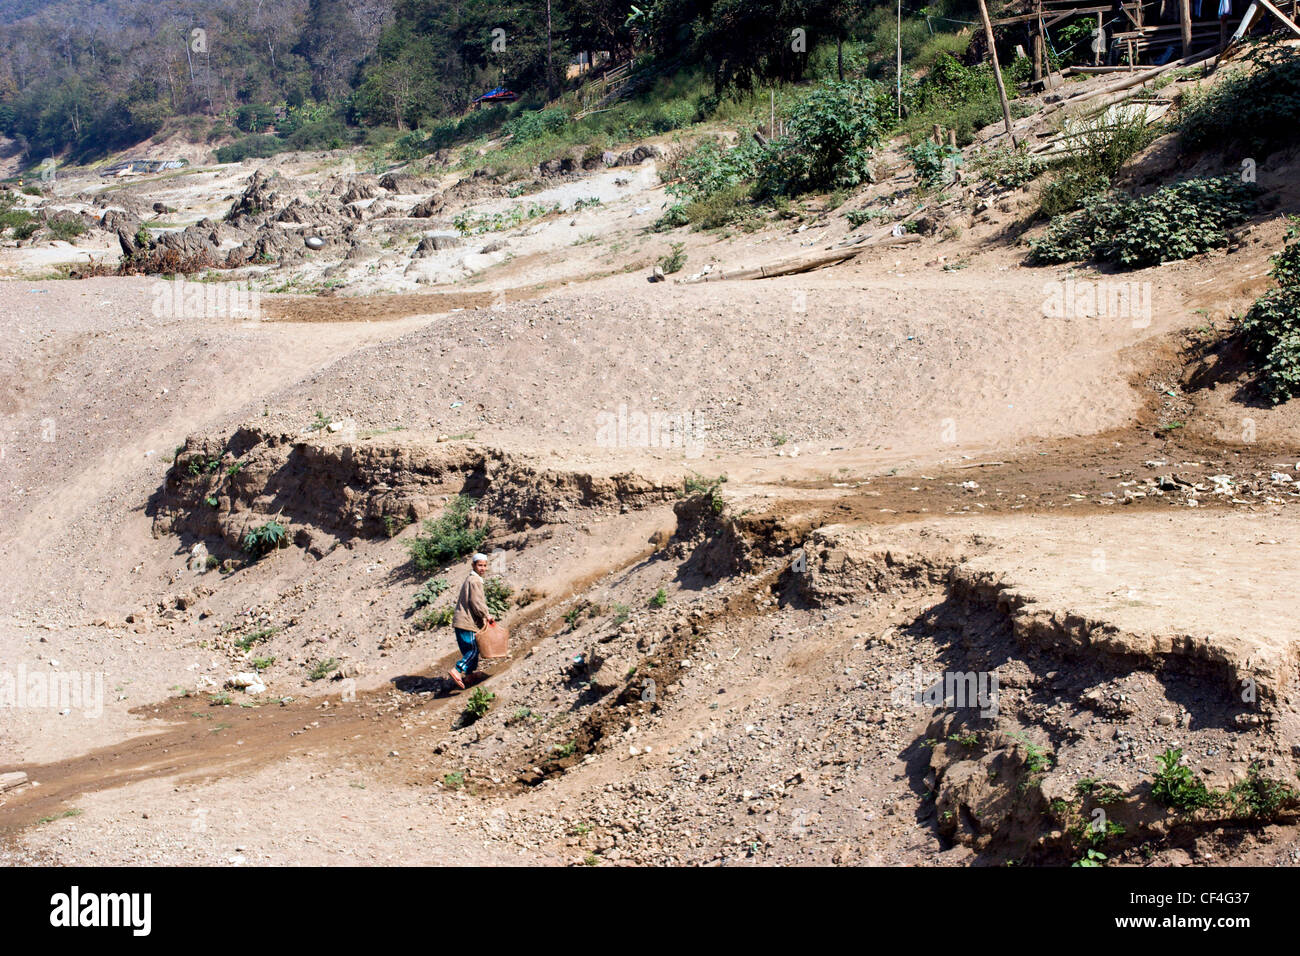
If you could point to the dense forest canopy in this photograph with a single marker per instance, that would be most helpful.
(86, 77)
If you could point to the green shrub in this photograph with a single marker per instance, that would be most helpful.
(674, 260)
(1180, 221)
(1258, 109)
(447, 538)
(723, 208)
(1175, 786)
(254, 117)
(711, 168)
(1008, 168)
(957, 97)
(1272, 333)
(479, 703)
(1259, 797)
(497, 594)
(1068, 190)
(1271, 328)
(1175, 222)
(931, 161)
(430, 592)
(535, 124)
(328, 133)
(265, 539)
(438, 617)
(673, 217)
(857, 217)
(20, 221)
(660, 598)
(250, 147)
(322, 669)
(1097, 152)
(66, 228)
(1286, 264)
(829, 139)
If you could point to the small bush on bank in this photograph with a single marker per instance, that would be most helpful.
(1175, 222)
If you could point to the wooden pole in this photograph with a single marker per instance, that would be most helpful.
(997, 70)
(1038, 46)
(899, 64)
(1185, 18)
(1096, 56)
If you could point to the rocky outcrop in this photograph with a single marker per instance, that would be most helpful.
(329, 489)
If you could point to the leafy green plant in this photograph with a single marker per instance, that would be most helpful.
(1091, 858)
(1037, 760)
(535, 124)
(660, 598)
(1256, 109)
(395, 525)
(322, 669)
(478, 705)
(264, 539)
(694, 485)
(256, 637)
(712, 167)
(430, 592)
(1175, 786)
(66, 228)
(439, 617)
(1095, 153)
(674, 260)
(857, 217)
(1261, 798)
(829, 139)
(1008, 168)
(447, 538)
(1270, 329)
(1175, 222)
(931, 161)
(497, 595)
(454, 780)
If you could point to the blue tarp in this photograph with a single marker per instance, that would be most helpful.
(497, 95)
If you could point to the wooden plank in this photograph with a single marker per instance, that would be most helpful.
(1280, 15)
(1061, 14)
(997, 70)
(10, 780)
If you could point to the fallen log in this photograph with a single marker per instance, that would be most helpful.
(805, 263)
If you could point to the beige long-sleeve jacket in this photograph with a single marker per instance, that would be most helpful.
(471, 606)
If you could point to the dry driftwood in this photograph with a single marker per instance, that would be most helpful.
(807, 262)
